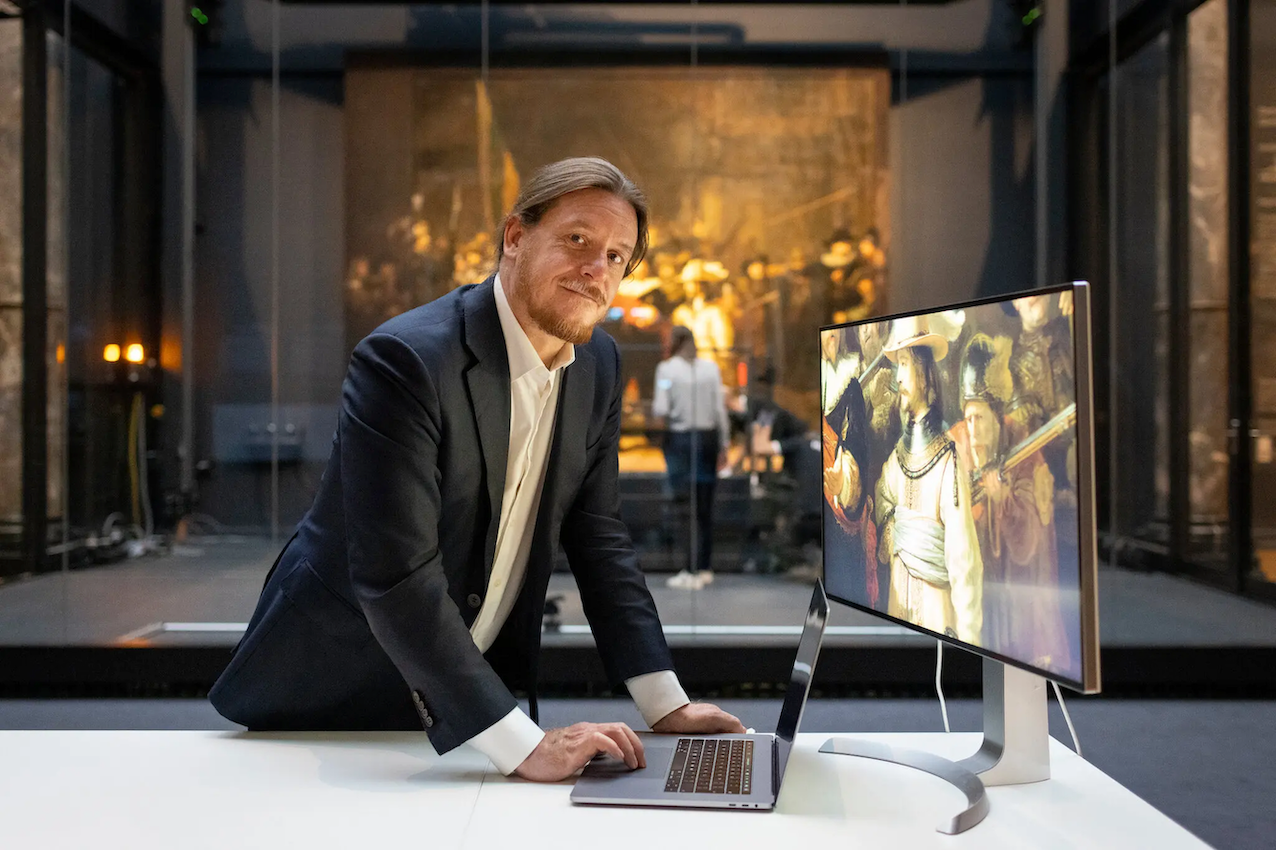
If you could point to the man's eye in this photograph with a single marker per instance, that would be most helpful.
(616, 258)
(577, 239)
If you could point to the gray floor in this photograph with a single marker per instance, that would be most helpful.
(1209, 765)
(215, 583)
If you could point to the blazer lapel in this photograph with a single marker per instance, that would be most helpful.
(488, 380)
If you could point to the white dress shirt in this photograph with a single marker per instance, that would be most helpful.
(533, 404)
(689, 396)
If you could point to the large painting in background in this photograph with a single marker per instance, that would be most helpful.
(768, 191)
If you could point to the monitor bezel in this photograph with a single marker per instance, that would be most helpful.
(1087, 551)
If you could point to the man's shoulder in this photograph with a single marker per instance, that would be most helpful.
(603, 349)
(434, 331)
(440, 318)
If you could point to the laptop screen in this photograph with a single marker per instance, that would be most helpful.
(800, 681)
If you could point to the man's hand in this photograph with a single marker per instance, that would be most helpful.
(699, 718)
(562, 752)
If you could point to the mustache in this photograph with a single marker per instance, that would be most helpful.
(598, 296)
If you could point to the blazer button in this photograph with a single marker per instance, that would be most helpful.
(474, 600)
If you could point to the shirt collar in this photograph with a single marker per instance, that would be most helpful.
(522, 356)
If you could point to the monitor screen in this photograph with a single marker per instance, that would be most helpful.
(958, 495)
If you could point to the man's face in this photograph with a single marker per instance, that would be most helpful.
(829, 344)
(912, 385)
(568, 267)
(870, 338)
(1032, 311)
(981, 424)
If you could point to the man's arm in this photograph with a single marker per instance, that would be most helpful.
(389, 432)
(961, 551)
(614, 593)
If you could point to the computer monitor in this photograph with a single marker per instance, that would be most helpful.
(958, 495)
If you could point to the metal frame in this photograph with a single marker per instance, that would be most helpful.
(1090, 63)
(1180, 317)
(1240, 364)
(136, 240)
(35, 295)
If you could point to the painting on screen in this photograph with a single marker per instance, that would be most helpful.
(950, 484)
(767, 186)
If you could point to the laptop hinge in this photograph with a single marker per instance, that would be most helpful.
(775, 768)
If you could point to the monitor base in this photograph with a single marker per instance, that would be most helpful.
(1015, 750)
(946, 769)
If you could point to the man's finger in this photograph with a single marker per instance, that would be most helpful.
(612, 731)
(600, 742)
(637, 744)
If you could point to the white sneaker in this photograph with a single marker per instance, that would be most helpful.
(704, 577)
(684, 580)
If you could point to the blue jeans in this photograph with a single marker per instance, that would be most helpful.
(692, 456)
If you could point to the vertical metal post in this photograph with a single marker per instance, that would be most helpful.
(1239, 401)
(1180, 289)
(35, 295)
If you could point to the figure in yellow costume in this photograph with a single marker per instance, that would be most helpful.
(926, 530)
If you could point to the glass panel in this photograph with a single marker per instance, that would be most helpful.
(1140, 503)
(10, 288)
(1207, 270)
(57, 286)
(1263, 279)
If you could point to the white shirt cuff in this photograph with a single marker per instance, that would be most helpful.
(656, 694)
(509, 741)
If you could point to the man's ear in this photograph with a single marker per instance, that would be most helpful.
(513, 235)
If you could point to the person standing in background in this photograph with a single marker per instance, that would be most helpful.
(689, 399)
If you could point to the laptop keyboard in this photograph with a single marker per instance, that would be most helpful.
(711, 766)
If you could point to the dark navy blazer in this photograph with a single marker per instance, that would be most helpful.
(364, 621)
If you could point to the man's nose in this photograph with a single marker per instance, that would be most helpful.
(595, 267)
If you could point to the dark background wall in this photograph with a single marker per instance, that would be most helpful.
(961, 161)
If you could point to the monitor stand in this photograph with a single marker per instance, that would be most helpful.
(1015, 749)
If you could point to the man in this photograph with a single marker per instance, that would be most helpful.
(476, 433)
(690, 400)
(881, 398)
(927, 534)
(850, 537)
(1014, 516)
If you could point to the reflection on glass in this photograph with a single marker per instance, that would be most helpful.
(1140, 402)
(1207, 269)
(1263, 282)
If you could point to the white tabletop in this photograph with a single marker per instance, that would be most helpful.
(135, 790)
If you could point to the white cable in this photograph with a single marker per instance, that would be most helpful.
(1076, 742)
(939, 685)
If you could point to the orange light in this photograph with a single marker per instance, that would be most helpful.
(742, 374)
(111, 354)
(135, 354)
(61, 353)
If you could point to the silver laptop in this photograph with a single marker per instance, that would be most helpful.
(713, 771)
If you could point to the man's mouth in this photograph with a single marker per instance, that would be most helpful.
(585, 291)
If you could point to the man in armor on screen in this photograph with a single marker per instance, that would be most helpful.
(1013, 508)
